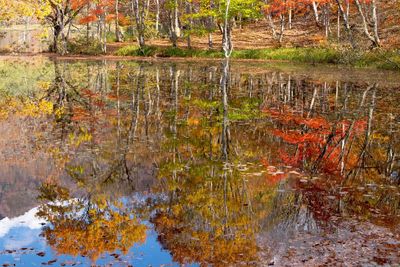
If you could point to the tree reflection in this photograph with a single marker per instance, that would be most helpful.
(88, 226)
(207, 217)
(223, 156)
(340, 144)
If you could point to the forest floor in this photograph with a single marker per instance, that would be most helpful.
(254, 36)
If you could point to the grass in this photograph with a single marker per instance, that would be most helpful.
(377, 59)
(152, 51)
(389, 60)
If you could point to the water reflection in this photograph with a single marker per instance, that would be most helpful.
(206, 164)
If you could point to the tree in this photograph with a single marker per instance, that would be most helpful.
(89, 227)
(10, 10)
(363, 7)
(139, 13)
(231, 9)
(118, 34)
(174, 26)
(345, 16)
(61, 15)
(227, 38)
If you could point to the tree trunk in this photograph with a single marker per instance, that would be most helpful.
(327, 19)
(282, 29)
(210, 41)
(346, 23)
(157, 15)
(338, 26)
(272, 25)
(118, 37)
(315, 9)
(175, 29)
(227, 39)
(189, 24)
(139, 14)
(56, 35)
(375, 37)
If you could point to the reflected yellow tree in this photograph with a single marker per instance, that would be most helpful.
(88, 227)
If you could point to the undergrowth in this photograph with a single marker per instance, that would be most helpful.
(326, 55)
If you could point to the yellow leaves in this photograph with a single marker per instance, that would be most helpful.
(188, 241)
(15, 9)
(6, 107)
(28, 108)
(163, 219)
(77, 169)
(380, 137)
(89, 227)
(193, 121)
(109, 229)
(83, 137)
(177, 209)
(45, 107)
(101, 202)
(3, 114)
(59, 112)
(44, 85)
(33, 109)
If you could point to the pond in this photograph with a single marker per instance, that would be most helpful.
(171, 163)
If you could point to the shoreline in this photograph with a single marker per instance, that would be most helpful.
(292, 56)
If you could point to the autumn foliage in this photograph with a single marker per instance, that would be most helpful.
(314, 142)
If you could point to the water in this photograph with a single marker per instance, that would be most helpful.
(158, 163)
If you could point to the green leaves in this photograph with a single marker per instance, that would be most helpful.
(246, 9)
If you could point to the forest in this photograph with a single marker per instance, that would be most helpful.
(199, 133)
(350, 32)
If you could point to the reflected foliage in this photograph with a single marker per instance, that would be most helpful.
(226, 164)
(87, 227)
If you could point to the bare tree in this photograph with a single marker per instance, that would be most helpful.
(374, 36)
(345, 16)
(227, 38)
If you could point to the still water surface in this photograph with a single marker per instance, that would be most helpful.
(129, 163)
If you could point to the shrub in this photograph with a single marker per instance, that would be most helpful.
(134, 50)
(82, 46)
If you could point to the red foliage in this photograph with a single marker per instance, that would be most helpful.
(88, 19)
(314, 138)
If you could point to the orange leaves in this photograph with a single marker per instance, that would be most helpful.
(80, 114)
(103, 8)
(76, 237)
(76, 4)
(290, 117)
(110, 17)
(98, 11)
(88, 19)
(316, 123)
(123, 20)
(280, 7)
(314, 140)
(295, 137)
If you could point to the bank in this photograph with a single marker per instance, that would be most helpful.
(378, 58)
